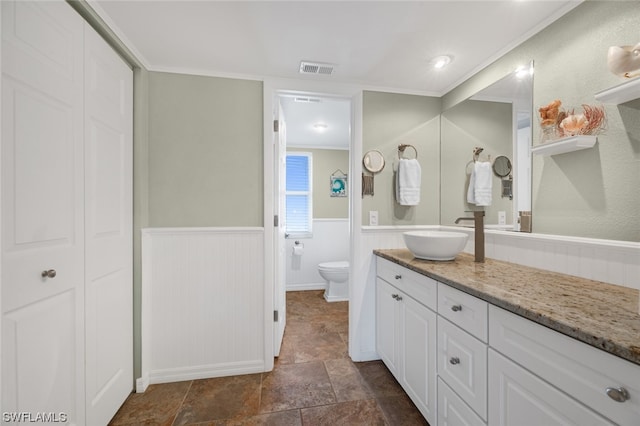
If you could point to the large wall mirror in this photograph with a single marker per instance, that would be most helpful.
(498, 121)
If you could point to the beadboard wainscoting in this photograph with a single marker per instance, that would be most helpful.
(330, 242)
(202, 303)
(615, 262)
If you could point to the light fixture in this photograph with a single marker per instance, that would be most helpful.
(523, 72)
(440, 62)
(320, 127)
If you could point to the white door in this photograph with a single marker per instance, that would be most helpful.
(280, 179)
(42, 217)
(108, 229)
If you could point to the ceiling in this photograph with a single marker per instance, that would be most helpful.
(379, 45)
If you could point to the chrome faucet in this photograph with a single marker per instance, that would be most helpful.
(478, 224)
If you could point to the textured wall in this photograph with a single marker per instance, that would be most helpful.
(590, 193)
(465, 126)
(390, 119)
(205, 151)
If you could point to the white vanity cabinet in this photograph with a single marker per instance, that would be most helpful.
(406, 333)
(494, 367)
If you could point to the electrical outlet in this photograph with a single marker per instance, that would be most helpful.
(373, 218)
(502, 217)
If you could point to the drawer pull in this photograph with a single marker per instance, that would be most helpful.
(398, 277)
(456, 308)
(395, 296)
(51, 273)
(617, 394)
(399, 298)
(454, 360)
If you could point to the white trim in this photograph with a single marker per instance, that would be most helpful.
(324, 147)
(205, 371)
(204, 230)
(306, 286)
(93, 4)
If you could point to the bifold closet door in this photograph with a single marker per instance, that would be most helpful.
(108, 229)
(42, 210)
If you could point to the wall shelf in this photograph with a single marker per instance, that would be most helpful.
(625, 92)
(572, 143)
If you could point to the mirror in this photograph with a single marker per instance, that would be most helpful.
(502, 166)
(373, 161)
(497, 119)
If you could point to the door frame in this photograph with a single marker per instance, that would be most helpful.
(272, 89)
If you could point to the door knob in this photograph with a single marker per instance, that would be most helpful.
(454, 360)
(456, 308)
(51, 273)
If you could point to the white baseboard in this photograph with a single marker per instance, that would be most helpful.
(306, 286)
(206, 371)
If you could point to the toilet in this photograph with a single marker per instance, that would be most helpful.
(336, 274)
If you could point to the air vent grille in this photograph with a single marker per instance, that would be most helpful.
(316, 68)
(306, 100)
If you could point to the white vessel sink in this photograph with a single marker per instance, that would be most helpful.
(435, 245)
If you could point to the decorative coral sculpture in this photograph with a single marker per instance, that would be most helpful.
(549, 113)
(573, 124)
(558, 123)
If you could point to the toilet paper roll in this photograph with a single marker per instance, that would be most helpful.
(298, 250)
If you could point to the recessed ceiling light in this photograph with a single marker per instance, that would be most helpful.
(523, 72)
(440, 62)
(320, 127)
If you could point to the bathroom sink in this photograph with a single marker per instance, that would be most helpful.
(435, 245)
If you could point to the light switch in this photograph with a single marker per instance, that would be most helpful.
(373, 218)
(502, 217)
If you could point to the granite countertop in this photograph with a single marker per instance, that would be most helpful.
(602, 315)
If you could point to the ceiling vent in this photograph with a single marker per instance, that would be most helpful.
(307, 100)
(316, 68)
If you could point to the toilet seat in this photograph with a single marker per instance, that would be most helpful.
(334, 266)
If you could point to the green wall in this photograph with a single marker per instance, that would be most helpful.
(325, 162)
(590, 193)
(390, 119)
(205, 151)
(465, 126)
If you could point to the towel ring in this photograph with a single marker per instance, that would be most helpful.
(402, 147)
(476, 154)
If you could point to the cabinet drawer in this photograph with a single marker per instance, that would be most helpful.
(517, 397)
(462, 364)
(579, 370)
(452, 410)
(418, 286)
(464, 310)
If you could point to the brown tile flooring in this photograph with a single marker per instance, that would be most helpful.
(314, 382)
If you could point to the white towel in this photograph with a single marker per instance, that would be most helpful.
(480, 182)
(408, 179)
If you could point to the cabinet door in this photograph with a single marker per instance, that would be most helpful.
(108, 232)
(42, 209)
(517, 397)
(387, 320)
(418, 355)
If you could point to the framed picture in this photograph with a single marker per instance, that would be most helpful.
(338, 186)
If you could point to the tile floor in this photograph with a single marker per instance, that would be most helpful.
(314, 382)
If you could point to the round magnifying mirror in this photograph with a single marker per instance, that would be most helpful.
(373, 161)
(502, 166)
